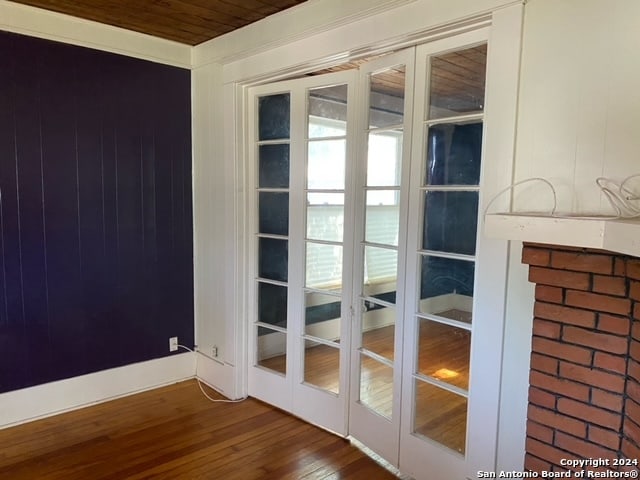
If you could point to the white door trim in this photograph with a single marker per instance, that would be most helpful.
(502, 84)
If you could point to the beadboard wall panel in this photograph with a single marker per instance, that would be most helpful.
(96, 256)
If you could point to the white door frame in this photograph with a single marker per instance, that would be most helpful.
(500, 119)
(419, 454)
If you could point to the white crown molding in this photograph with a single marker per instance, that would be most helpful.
(40, 23)
(405, 25)
(301, 21)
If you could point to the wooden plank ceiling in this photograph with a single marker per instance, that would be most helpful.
(457, 79)
(185, 21)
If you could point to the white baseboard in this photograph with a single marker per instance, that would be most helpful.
(218, 375)
(52, 398)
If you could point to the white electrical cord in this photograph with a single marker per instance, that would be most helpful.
(514, 185)
(619, 195)
(216, 400)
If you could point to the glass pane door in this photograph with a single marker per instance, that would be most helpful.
(445, 189)
(270, 144)
(366, 308)
(324, 239)
(322, 342)
(300, 342)
(380, 239)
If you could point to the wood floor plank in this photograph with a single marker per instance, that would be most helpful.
(174, 433)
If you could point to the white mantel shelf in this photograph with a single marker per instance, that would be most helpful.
(622, 236)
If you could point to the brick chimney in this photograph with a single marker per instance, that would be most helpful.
(584, 394)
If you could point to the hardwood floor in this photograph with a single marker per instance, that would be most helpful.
(176, 433)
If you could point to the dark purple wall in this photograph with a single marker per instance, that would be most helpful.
(96, 259)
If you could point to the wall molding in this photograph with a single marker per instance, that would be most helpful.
(288, 26)
(53, 398)
(36, 22)
(404, 25)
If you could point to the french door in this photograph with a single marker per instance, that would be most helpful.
(365, 191)
(382, 178)
(300, 136)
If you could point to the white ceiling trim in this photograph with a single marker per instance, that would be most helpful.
(37, 22)
(409, 24)
(303, 20)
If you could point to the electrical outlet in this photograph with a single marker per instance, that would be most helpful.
(173, 344)
(214, 351)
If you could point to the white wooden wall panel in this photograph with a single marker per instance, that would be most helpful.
(216, 247)
(209, 212)
(579, 100)
(516, 355)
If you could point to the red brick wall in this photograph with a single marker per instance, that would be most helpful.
(584, 394)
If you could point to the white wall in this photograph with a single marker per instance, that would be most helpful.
(579, 100)
(578, 116)
(515, 363)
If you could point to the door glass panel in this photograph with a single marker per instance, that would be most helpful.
(273, 117)
(381, 197)
(381, 270)
(378, 329)
(377, 313)
(324, 266)
(443, 352)
(450, 222)
(457, 82)
(446, 287)
(384, 159)
(454, 153)
(386, 97)
(440, 415)
(328, 111)
(322, 366)
(383, 291)
(273, 259)
(376, 385)
(273, 213)
(272, 350)
(322, 316)
(272, 304)
(325, 216)
(273, 166)
(326, 164)
(273, 219)
(382, 220)
(324, 227)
